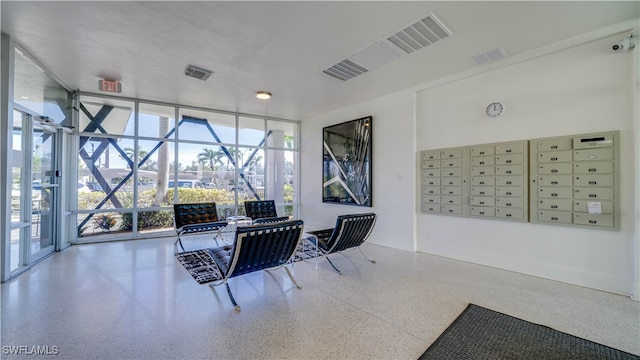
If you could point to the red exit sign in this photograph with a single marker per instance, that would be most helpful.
(110, 86)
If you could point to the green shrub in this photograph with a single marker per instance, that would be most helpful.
(89, 200)
(186, 195)
(288, 193)
(164, 218)
(148, 220)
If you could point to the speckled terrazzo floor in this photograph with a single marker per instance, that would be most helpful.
(132, 300)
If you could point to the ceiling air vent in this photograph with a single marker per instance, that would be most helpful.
(490, 56)
(410, 38)
(345, 70)
(420, 34)
(198, 72)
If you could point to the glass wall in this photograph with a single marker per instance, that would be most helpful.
(106, 158)
(136, 159)
(40, 108)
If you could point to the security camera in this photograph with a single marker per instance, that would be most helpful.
(623, 45)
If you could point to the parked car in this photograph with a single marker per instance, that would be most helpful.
(209, 185)
(82, 188)
(94, 186)
(192, 184)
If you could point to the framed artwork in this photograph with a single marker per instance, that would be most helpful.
(346, 163)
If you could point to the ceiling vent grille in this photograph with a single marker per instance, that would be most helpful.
(490, 56)
(410, 38)
(345, 70)
(198, 72)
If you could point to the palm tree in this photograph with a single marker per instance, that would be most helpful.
(219, 155)
(130, 152)
(207, 156)
(254, 161)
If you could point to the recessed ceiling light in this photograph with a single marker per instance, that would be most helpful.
(263, 95)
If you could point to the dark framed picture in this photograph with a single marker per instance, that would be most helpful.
(346, 162)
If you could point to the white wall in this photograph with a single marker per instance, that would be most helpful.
(583, 89)
(567, 89)
(393, 170)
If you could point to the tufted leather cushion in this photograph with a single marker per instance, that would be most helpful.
(260, 209)
(189, 214)
(222, 256)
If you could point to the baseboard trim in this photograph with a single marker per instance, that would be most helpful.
(566, 274)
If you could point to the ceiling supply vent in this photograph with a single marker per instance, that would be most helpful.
(410, 38)
(490, 56)
(198, 72)
(345, 70)
(377, 54)
(420, 34)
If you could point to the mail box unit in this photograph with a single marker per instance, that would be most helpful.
(498, 181)
(574, 180)
(430, 180)
(442, 181)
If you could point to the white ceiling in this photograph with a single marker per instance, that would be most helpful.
(281, 47)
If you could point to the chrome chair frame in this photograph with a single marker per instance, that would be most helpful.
(350, 232)
(258, 247)
(196, 219)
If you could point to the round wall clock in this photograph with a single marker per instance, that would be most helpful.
(494, 109)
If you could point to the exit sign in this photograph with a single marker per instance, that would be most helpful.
(110, 86)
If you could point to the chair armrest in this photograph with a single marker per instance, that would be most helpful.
(322, 234)
(204, 227)
(222, 257)
(270, 220)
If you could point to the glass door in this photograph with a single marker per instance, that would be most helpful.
(44, 188)
(33, 191)
(37, 132)
(20, 212)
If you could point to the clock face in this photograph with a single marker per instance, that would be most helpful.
(494, 109)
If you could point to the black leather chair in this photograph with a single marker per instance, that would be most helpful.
(350, 232)
(263, 211)
(257, 247)
(198, 218)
